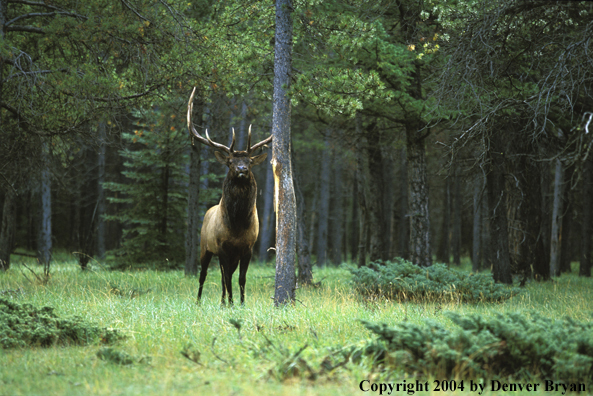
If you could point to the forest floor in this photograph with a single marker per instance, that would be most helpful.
(254, 349)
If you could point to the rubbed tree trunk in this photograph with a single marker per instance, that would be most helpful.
(285, 202)
(456, 237)
(7, 228)
(45, 243)
(337, 211)
(100, 193)
(499, 237)
(557, 209)
(268, 218)
(585, 261)
(192, 235)
(477, 224)
(420, 250)
(324, 199)
(404, 227)
(443, 252)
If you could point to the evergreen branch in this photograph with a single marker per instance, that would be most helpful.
(42, 14)
(29, 29)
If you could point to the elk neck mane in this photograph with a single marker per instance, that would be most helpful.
(238, 199)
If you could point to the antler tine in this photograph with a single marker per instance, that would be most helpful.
(258, 145)
(208, 141)
(249, 139)
(233, 141)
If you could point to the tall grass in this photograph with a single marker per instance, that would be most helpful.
(158, 313)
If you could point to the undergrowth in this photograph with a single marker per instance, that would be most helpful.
(401, 280)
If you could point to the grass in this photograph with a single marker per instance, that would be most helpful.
(157, 312)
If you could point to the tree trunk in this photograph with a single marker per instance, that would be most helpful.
(305, 274)
(557, 209)
(361, 188)
(404, 227)
(499, 237)
(487, 262)
(420, 251)
(444, 250)
(585, 262)
(7, 228)
(337, 211)
(45, 242)
(268, 218)
(388, 201)
(355, 229)
(376, 212)
(456, 236)
(324, 199)
(477, 223)
(565, 237)
(285, 204)
(101, 129)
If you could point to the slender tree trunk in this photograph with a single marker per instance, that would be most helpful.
(487, 261)
(477, 223)
(565, 237)
(499, 236)
(45, 243)
(338, 211)
(324, 200)
(557, 209)
(100, 193)
(268, 215)
(285, 198)
(456, 237)
(420, 249)
(355, 229)
(374, 194)
(404, 228)
(305, 274)
(362, 180)
(585, 261)
(192, 236)
(444, 252)
(388, 201)
(8, 228)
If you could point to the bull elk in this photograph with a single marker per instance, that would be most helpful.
(230, 228)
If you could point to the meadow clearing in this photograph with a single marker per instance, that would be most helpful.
(179, 348)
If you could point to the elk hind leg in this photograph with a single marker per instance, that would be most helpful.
(205, 258)
(243, 275)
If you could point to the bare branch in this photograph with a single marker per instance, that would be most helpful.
(30, 29)
(42, 14)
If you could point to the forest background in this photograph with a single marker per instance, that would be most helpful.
(424, 130)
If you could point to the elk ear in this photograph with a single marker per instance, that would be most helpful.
(258, 159)
(223, 159)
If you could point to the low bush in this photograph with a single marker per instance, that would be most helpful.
(402, 280)
(516, 345)
(23, 325)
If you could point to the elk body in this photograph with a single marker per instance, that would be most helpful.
(230, 228)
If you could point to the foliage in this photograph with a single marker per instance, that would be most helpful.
(115, 356)
(153, 201)
(403, 280)
(518, 345)
(23, 325)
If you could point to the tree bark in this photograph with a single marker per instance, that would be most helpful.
(7, 228)
(557, 209)
(355, 229)
(102, 135)
(45, 241)
(324, 200)
(374, 194)
(420, 249)
(361, 188)
(337, 211)
(565, 237)
(404, 227)
(285, 202)
(444, 250)
(585, 261)
(388, 201)
(456, 236)
(305, 274)
(499, 237)
(268, 218)
(477, 223)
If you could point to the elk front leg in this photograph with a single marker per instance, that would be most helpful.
(243, 275)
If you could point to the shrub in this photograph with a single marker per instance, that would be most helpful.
(23, 325)
(515, 345)
(403, 280)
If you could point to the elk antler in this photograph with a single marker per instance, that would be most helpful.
(258, 145)
(207, 141)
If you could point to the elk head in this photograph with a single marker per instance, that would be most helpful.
(238, 162)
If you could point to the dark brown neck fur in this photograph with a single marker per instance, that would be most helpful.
(238, 199)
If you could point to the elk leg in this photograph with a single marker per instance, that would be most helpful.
(243, 275)
(205, 262)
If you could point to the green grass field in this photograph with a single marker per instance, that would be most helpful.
(158, 314)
